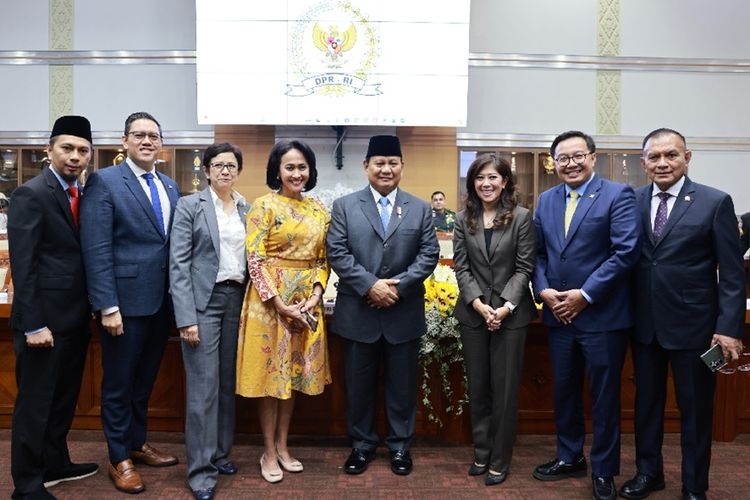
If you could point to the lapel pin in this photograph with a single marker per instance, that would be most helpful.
(398, 212)
(687, 198)
(592, 195)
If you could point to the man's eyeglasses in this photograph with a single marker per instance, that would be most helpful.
(140, 136)
(221, 166)
(577, 158)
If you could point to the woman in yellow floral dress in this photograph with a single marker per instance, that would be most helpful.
(282, 346)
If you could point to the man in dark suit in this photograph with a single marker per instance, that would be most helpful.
(382, 245)
(588, 240)
(682, 309)
(50, 313)
(125, 221)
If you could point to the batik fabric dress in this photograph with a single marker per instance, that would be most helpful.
(286, 257)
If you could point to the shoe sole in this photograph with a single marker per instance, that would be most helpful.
(557, 477)
(54, 482)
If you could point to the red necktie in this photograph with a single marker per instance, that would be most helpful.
(73, 190)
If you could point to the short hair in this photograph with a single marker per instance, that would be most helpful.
(437, 192)
(139, 115)
(216, 149)
(662, 131)
(273, 180)
(570, 134)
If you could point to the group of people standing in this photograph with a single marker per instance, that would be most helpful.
(245, 283)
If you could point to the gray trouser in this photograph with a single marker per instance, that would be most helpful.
(210, 375)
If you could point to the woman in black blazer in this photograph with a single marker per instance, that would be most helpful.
(494, 245)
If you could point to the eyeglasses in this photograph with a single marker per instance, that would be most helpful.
(221, 166)
(140, 136)
(577, 159)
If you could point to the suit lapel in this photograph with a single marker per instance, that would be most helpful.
(60, 197)
(681, 204)
(497, 236)
(367, 202)
(209, 214)
(400, 210)
(644, 206)
(479, 239)
(558, 214)
(134, 185)
(585, 203)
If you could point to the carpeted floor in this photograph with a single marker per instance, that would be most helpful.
(439, 472)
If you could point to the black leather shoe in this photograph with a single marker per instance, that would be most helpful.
(557, 469)
(401, 462)
(492, 479)
(207, 494)
(689, 495)
(477, 470)
(358, 460)
(641, 486)
(604, 488)
(70, 472)
(227, 468)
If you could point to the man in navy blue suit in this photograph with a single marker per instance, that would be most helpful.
(588, 240)
(126, 213)
(690, 295)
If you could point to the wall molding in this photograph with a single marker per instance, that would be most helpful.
(109, 138)
(622, 63)
(476, 60)
(543, 141)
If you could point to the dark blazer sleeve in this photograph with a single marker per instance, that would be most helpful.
(517, 287)
(625, 243)
(539, 278)
(25, 224)
(180, 263)
(96, 215)
(732, 296)
(467, 283)
(340, 256)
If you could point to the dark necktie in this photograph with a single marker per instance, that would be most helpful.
(384, 213)
(73, 191)
(661, 215)
(155, 201)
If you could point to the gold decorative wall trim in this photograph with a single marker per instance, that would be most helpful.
(608, 101)
(608, 82)
(60, 26)
(60, 92)
(608, 28)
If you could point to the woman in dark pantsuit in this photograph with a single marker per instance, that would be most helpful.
(494, 245)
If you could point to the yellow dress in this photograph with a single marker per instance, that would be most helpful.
(286, 257)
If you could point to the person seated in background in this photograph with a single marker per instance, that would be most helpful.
(442, 218)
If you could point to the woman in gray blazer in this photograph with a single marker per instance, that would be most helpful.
(208, 272)
(494, 248)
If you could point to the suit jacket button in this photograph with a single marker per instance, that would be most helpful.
(564, 283)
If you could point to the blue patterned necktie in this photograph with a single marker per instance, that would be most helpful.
(155, 201)
(660, 221)
(383, 202)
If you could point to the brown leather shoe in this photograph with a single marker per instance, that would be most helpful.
(126, 478)
(151, 456)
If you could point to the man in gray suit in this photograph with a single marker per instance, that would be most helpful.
(207, 272)
(382, 245)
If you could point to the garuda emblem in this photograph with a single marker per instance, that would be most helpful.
(333, 43)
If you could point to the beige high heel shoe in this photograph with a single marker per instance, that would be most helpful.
(293, 466)
(271, 477)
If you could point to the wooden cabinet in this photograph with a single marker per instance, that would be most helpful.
(325, 415)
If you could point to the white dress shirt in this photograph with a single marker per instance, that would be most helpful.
(673, 190)
(231, 240)
(163, 197)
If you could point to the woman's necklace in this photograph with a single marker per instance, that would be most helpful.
(489, 219)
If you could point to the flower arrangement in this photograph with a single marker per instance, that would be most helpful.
(442, 342)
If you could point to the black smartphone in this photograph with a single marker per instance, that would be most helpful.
(714, 358)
